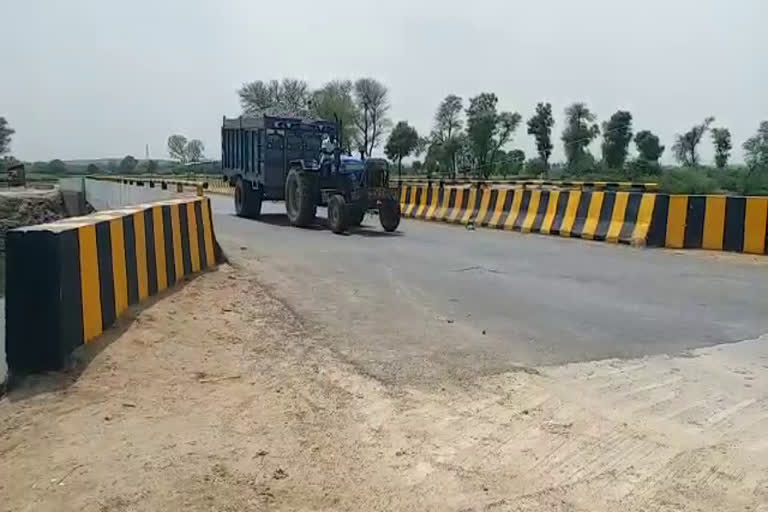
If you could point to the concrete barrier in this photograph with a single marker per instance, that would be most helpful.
(68, 281)
(722, 223)
(613, 216)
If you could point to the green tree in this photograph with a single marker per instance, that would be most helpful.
(92, 169)
(56, 166)
(334, 100)
(152, 166)
(194, 150)
(372, 99)
(402, 142)
(580, 131)
(648, 146)
(721, 138)
(177, 148)
(617, 134)
(488, 130)
(756, 149)
(516, 159)
(128, 165)
(5, 136)
(448, 124)
(540, 126)
(685, 145)
(288, 97)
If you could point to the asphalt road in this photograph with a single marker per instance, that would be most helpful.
(433, 297)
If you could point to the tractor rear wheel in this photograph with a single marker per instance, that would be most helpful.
(300, 197)
(337, 214)
(389, 215)
(247, 200)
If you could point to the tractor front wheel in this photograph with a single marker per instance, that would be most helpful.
(389, 215)
(300, 197)
(356, 215)
(337, 214)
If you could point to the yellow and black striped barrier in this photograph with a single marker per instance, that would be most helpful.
(68, 281)
(722, 223)
(613, 216)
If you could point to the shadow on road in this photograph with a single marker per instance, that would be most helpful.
(367, 229)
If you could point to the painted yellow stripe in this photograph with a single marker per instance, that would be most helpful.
(533, 207)
(441, 215)
(678, 211)
(178, 262)
(714, 223)
(457, 205)
(571, 208)
(89, 282)
(498, 210)
(549, 216)
(470, 206)
(210, 256)
(435, 202)
(194, 249)
(141, 255)
(514, 209)
(644, 215)
(403, 193)
(617, 218)
(755, 219)
(485, 200)
(119, 272)
(157, 225)
(409, 210)
(593, 215)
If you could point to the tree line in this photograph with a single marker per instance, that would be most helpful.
(472, 139)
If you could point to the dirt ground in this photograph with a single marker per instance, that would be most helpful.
(218, 397)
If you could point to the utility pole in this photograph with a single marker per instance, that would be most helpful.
(146, 157)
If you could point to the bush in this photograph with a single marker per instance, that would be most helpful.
(639, 169)
(688, 180)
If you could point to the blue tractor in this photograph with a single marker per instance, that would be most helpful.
(300, 161)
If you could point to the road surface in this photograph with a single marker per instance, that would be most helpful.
(435, 297)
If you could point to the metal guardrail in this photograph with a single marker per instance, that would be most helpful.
(529, 183)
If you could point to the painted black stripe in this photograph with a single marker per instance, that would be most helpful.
(428, 204)
(541, 212)
(407, 200)
(581, 214)
(476, 206)
(562, 204)
(735, 211)
(491, 207)
(170, 268)
(694, 223)
(524, 203)
(200, 235)
(657, 233)
(149, 241)
(71, 298)
(186, 257)
(630, 217)
(217, 255)
(606, 212)
(130, 259)
(106, 275)
(505, 209)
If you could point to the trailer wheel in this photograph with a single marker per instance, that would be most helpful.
(337, 214)
(300, 197)
(247, 200)
(389, 215)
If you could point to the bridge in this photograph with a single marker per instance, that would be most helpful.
(533, 369)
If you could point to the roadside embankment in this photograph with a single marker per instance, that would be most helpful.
(220, 397)
(27, 207)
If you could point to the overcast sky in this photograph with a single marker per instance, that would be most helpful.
(102, 78)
